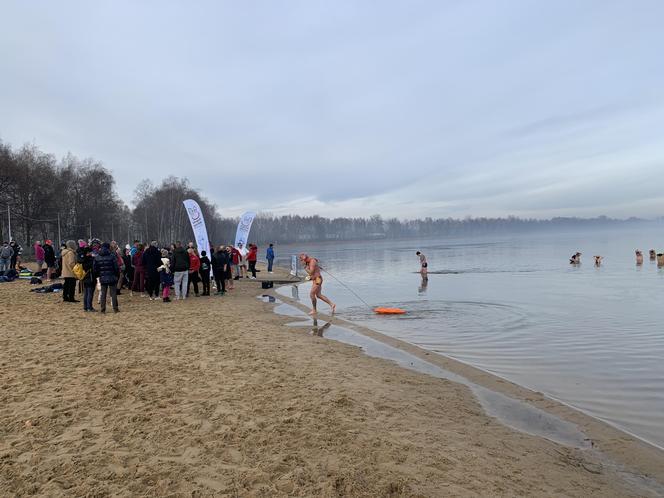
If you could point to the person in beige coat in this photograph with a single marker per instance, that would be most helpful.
(68, 262)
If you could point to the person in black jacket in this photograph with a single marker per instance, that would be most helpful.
(219, 266)
(205, 273)
(151, 261)
(49, 259)
(106, 268)
(180, 269)
(89, 280)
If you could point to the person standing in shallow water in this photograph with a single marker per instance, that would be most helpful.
(312, 268)
(424, 266)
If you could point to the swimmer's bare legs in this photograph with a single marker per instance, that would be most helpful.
(316, 294)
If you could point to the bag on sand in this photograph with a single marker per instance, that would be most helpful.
(267, 284)
(36, 281)
(78, 271)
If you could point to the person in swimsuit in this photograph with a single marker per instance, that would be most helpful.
(313, 273)
(423, 265)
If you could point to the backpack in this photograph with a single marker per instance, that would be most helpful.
(78, 271)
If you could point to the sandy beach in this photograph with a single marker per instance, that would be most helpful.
(218, 397)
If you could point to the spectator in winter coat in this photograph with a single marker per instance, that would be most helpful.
(16, 257)
(68, 255)
(89, 280)
(270, 257)
(106, 268)
(115, 249)
(129, 268)
(194, 267)
(252, 257)
(49, 259)
(219, 266)
(139, 270)
(152, 261)
(166, 276)
(237, 258)
(6, 253)
(180, 269)
(205, 272)
(39, 255)
(229, 268)
(243, 251)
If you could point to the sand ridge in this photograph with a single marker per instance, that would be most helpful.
(217, 397)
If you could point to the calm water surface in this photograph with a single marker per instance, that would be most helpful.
(513, 305)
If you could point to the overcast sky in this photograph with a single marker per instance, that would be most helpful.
(408, 109)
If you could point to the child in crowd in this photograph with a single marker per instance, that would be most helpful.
(165, 276)
(89, 281)
(205, 273)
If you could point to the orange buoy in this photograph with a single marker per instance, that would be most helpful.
(389, 311)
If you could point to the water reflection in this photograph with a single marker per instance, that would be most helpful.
(319, 331)
(422, 289)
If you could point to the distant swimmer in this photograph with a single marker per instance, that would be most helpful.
(653, 255)
(660, 260)
(639, 257)
(598, 260)
(423, 265)
(575, 259)
(312, 268)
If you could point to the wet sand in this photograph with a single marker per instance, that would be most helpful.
(218, 397)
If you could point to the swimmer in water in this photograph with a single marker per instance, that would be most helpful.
(575, 259)
(653, 255)
(313, 273)
(639, 257)
(423, 265)
(598, 260)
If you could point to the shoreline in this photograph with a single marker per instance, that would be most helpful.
(614, 441)
(218, 397)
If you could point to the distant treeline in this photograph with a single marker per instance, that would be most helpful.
(74, 198)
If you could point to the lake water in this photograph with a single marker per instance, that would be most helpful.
(514, 306)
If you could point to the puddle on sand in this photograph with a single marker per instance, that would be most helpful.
(511, 412)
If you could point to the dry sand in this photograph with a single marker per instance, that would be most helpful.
(217, 397)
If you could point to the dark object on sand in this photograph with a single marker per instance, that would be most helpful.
(267, 284)
(47, 289)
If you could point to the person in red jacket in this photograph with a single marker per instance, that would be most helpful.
(139, 271)
(39, 255)
(252, 256)
(194, 267)
(235, 254)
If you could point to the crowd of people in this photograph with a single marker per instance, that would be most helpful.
(148, 270)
